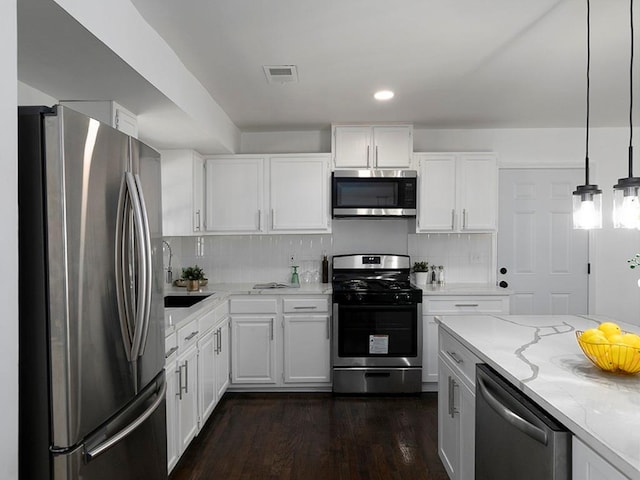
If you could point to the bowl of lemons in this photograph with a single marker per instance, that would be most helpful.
(610, 348)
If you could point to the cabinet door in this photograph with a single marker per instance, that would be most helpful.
(478, 191)
(306, 348)
(392, 146)
(234, 195)
(188, 397)
(222, 358)
(172, 415)
(206, 375)
(253, 349)
(437, 193)
(467, 435)
(448, 420)
(299, 194)
(429, 349)
(178, 183)
(352, 146)
(588, 465)
(198, 193)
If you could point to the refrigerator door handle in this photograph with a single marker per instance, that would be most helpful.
(147, 266)
(102, 447)
(129, 201)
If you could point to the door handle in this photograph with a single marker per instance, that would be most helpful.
(455, 357)
(503, 284)
(510, 416)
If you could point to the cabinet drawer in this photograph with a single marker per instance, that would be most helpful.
(459, 357)
(188, 335)
(251, 305)
(302, 305)
(207, 321)
(170, 347)
(463, 305)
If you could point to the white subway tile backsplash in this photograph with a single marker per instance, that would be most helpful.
(467, 258)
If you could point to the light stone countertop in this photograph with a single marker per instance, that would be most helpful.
(217, 293)
(464, 289)
(539, 354)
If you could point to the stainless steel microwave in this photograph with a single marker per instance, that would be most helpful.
(373, 193)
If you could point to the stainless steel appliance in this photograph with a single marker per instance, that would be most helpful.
(377, 325)
(92, 384)
(374, 193)
(515, 438)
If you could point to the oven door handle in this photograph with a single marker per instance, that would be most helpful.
(510, 416)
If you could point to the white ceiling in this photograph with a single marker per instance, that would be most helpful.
(451, 63)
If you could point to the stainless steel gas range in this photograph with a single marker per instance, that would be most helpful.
(377, 325)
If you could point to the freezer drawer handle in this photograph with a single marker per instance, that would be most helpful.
(510, 416)
(107, 444)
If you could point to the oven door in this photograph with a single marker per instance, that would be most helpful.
(377, 335)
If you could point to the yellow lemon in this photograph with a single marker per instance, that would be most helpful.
(631, 339)
(609, 328)
(616, 338)
(588, 334)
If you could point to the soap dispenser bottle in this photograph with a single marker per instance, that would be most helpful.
(295, 281)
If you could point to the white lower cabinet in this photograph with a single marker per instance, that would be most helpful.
(306, 348)
(456, 408)
(253, 346)
(197, 374)
(280, 342)
(436, 305)
(588, 465)
(187, 395)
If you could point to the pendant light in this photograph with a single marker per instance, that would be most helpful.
(587, 199)
(626, 204)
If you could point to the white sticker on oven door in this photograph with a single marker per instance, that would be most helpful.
(379, 344)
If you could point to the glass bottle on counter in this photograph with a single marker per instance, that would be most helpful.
(433, 277)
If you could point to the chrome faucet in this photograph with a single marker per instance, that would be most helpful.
(169, 272)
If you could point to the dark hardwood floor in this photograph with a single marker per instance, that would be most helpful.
(316, 436)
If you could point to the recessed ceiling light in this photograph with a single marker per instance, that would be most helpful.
(383, 95)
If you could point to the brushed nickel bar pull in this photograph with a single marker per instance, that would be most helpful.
(455, 357)
(186, 376)
(193, 334)
(464, 218)
(170, 352)
(453, 219)
(466, 304)
(313, 307)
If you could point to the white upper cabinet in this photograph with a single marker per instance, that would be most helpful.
(299, 193)
(365, 146)
(234, 195)
(182, 192)
(458, 192)
(263, 194)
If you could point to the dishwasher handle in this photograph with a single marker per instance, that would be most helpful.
(510, 416)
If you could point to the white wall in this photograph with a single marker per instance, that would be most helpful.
(8, 243)
(614, 289)
(27, 95)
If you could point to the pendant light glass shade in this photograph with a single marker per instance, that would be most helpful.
(587, 199)
(587, 207)
(626, 204)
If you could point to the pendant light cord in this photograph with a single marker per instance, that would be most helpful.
(631, 94)
(586, 157)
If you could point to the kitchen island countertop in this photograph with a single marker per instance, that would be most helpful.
(539, 354)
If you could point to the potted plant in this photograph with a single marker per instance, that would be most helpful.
(421, 272)
(193, 277)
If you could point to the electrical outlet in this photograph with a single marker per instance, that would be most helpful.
(474, 257)
(292, 260)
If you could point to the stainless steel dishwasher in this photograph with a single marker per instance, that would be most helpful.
(515, 438)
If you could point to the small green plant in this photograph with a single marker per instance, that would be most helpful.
(193, 273)
(421, 266)
(635, 261)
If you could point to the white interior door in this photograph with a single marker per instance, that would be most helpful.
(540, 256)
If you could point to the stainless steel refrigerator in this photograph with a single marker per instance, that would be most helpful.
(92, 383)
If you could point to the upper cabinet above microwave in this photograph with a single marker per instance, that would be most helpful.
(372, 146)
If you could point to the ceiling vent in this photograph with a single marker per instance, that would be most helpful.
(281, 73)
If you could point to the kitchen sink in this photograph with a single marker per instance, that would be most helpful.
(183, 301)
